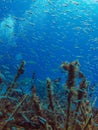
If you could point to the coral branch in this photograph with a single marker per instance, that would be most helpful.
(19, 72)
(50, 95)
(14, 112)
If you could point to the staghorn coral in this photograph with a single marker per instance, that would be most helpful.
(19, 72)
(62, 110)
(71, 68)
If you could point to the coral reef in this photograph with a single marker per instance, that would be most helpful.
(66, 109)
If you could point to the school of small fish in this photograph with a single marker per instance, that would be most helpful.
(51, 31)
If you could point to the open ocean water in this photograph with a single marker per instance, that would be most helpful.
(45, 33)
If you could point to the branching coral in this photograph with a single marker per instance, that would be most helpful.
(71, 110)
(19, 72)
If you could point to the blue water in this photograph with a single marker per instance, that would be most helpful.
(46, 33)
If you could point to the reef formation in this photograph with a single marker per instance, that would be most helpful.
(68, 109)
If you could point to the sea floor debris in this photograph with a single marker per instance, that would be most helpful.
(68, 109)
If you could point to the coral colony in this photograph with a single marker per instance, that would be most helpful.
(70, 109)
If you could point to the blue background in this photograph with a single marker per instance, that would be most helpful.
(46, 33)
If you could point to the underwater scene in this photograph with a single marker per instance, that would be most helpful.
(48, 64)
